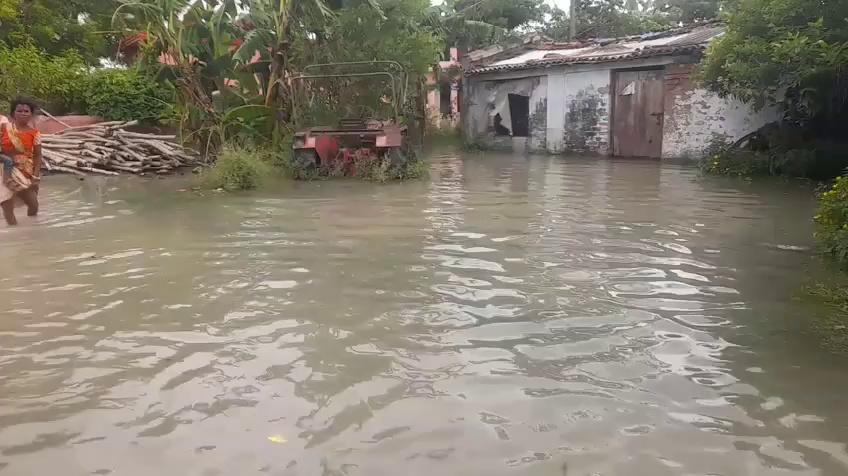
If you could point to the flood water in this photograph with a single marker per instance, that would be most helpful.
(509, 316)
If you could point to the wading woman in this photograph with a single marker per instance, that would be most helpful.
(20, 150)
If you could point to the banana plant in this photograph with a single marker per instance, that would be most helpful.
(190, 43)
(273, 26)
(462, 26)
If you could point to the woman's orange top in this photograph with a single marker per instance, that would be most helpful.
(20, 145)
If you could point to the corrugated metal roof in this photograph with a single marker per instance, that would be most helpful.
(681, 41)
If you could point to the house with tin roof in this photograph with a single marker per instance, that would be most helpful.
(630, 97)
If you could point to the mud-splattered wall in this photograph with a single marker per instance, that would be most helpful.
(570, 109)
(587, 112)
(487, 98)
(695, 117)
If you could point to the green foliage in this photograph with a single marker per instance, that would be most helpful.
(777, 150)
(472, 24)
(444, 136)
(357, 34)
(737, 163)
(58, 27)
(126, 95)
(57, 82)
(508, 14)
(791, 51)
(795, 163)
(609, 18)
(238, 168)
(832, 222)
(616, 18)
(393, 166)
(688, 11)
(197, 39)
(830, 324)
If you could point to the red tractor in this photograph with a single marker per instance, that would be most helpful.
(357, 141)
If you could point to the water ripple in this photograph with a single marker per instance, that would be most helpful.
(512, 315)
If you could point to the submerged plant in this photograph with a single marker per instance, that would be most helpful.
(392, 166)
(829, 314)
(832, 221)
(238, 168)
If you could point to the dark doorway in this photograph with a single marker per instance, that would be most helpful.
(519, 111)
(445, 99)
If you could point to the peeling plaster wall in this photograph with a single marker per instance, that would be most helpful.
(694, 117)
(486, 98)
(555, 142)
(570, 109)
(587, 112)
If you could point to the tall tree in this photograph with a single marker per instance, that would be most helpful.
(605, 19)
(688, 11)
(509, 14)
(275, 26)
(356, 34)
(57, 26)
(793, 52)
(472, 24)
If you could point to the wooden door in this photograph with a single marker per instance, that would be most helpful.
(637, 124)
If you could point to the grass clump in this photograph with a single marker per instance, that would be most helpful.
(445, 136)
(239, 168)
(830, 322)
(406, 166)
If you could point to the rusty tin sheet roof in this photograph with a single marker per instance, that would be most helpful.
(677, 42)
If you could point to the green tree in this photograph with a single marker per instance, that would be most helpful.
(57, 82)
(688, 11)
(354, 34)
(608, 19)
(189, 44)
(791, 51)
(472, 24)
(58, 26)
(508, 14)
(274, 27)
(357, 34)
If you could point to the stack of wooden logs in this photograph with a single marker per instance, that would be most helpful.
(108, 148)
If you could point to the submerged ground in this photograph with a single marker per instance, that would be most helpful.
(511, 315)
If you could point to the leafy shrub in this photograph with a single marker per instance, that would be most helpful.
(832, 221)
(238, 168)
(739, 163)
(829, 312)
(812, 163)
(443, 136)
(125, 95)
(57, 82)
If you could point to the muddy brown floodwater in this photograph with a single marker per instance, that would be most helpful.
(510, 316)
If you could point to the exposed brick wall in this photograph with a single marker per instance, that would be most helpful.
(587, 112)
(695, 118)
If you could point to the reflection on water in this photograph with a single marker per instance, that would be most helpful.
(510, 316)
